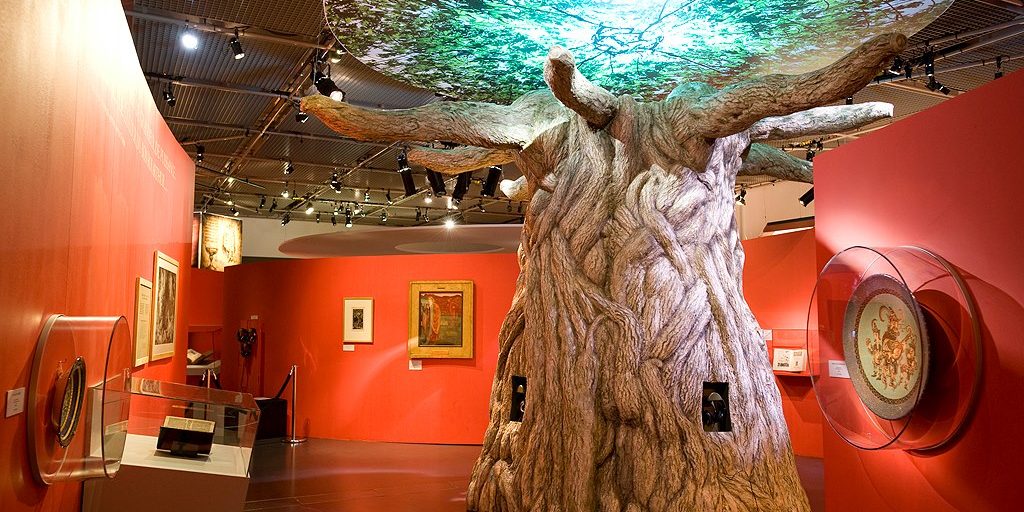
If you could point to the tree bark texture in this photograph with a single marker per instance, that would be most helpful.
(630, 292)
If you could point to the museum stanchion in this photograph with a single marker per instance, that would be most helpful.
(293, 374)
(894, 348)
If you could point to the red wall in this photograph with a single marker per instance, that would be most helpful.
(947, 179)
(368, 394)
(93, 183)
(778, 279)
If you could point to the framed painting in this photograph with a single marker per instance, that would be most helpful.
(440, 319)
(358, 320)
(143, 319)
(165, 306)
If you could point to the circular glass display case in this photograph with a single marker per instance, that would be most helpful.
(894, 348)
(78, 398)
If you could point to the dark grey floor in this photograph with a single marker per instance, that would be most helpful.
(324, 475)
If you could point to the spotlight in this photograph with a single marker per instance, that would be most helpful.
(449, 223)
(428, 199)
(944, 90)
(480, 206)
(908, 70)
(849, 100)
(335, 56)
(810, 155)
(741, 198)
(189, 40)
(807, 197)
(461, 187)
(452, 203)
(334, 219)
(234, 212)
(929, 64)
(318, 217)
(335, 184)
(284, 193)
(169, 96)
(230, 202)
(286, 219)
(999, 68)
(436, 182)
(309, 209)
(387, 198)
(200, 153)
(327, 87)
(366, 197)
(406, 173)
(273, 206)
(263, 202)
(419, 215)
(358, 209)
(348, 218)
(494, 174)
(301, 116)
(288, 168)
(231, 179)
(508, 208)
(897, 66)
(384, 217)
(426, 215)
(236, 47)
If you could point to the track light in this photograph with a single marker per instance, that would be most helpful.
(461, 187)
(348, 218)
(263, 202)
(301, 117)
(480, 206)
(807, 197)
(436, 182)
(169, 96)
(449, 223)
(334, 219)
(428, 199)
(309, 209)
(406, 173)
(233, 211)
(387, 198)
(366, 197)
(200, 153)
(318, 217)
(419, 215)
(849, 100)
(288, 168)
(384, 217)
(236, 47)
(908, 70)
(284, 193)
(358, 209)
(286, 219)
(934, 85)
(273, 206)
(189, 40)
(426, 215)
(897, 66)
(327, 87)
(810, 155)
(929, 64)
(999, 68)
(741, 198)
(490, 187)
(335, 56)
(335, 184)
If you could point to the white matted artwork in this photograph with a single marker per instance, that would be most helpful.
(789, 360)
(165, 306)
(358, 320)
(143, 319)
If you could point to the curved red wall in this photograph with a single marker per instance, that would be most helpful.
(93, 182)
(947, 179)
(368, 394)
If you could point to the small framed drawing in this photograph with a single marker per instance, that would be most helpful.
(789, 360)
(143, 319)
(440, 319)
(358, 320)
(165, 306)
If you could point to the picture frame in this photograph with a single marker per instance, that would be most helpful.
(165, 307)
(143, 320)
(440, 319)
(219, 243)
(358, 320)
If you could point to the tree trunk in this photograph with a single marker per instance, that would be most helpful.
(630, 297)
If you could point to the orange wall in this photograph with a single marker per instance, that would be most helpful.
(778, 279)
(947, 179)
(370, 393)
(93, 181)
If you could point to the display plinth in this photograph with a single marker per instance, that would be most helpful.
(894, 348)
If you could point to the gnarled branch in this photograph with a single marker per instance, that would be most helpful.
(819, 121)
(737, 107)
(459, 160)
(465, 122)
(516, 190)
(765, 160)
(582, 96)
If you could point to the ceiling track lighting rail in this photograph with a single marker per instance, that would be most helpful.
(246, 181)
(229, 127)
(225, 28)
(966, 34)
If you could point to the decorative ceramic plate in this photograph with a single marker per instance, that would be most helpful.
(494, 50)
(885, 346)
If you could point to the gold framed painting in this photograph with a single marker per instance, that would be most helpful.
(440, 319)
(143, 319)
(358, 320)
(165, 306)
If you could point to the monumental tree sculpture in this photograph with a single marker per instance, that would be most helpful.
(630, 292)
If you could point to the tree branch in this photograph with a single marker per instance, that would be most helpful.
(820, 121)
(516, 190)
(765, 160)
(471, 123)
(582, 96)
(737, 107)
(459, 160)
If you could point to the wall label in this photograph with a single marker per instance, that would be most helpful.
(348, 348)
(838, 369)
(15, 401)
